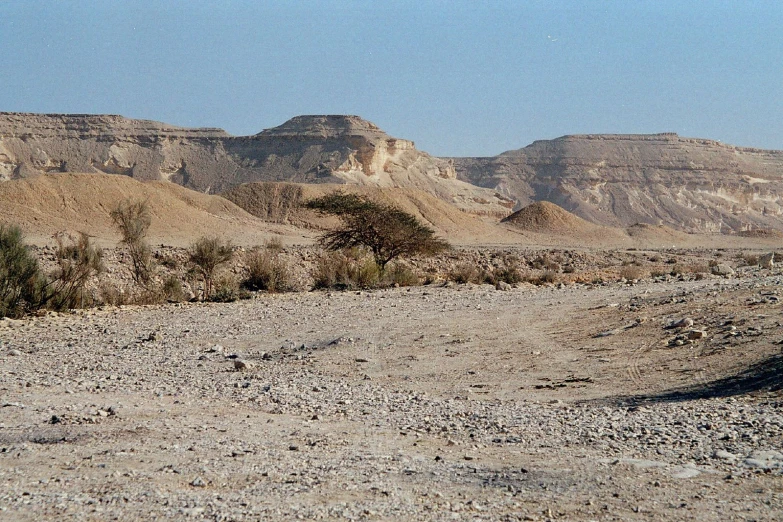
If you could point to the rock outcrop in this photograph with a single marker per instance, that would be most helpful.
(694, 185)
(307, 149)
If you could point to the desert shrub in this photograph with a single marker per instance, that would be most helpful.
(205, 256)
(274, 245)
(133, 219)
(548, 276)
(464, 273)
(21, 280)
(712, 262)
(227, 290)
(172, 289)
(400, 275)
(750, 259)
(110, 294)
(331, 270)
(365, 273)
(77, 261)
(658, 273)
(698, 268)
(346, 270)
(508, 274)
(545, 263)
(384, 230)
(266, 270)
(169, 261)
(631, 272)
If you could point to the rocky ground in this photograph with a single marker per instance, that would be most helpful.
(577, 401)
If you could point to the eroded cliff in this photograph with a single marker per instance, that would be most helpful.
(692, 184)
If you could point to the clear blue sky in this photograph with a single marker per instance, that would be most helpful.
(459, 78)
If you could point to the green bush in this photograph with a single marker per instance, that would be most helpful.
(266, 270)
(77, 261)
(206, 255)
(21, 281)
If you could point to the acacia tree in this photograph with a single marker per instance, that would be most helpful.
(385, 230)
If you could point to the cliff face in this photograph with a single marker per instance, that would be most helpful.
(692, 184)
(310, 149)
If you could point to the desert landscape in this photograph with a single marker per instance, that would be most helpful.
(601, 341)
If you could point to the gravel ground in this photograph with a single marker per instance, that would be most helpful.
(580, 402)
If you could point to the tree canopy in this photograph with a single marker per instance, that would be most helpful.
(387, 231)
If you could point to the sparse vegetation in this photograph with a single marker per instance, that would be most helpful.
(465, 272)
(632, 272)
(133, 219)
(267, 270)
(346, 270)
(205, 256)
(21, 280)
(77, 261)
(384, 230)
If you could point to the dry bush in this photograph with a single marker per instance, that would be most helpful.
(346, 270)
(400, 275)
(543, 262)
(133, 219)
(110, 294)
(227, 290)
(274, 245)
(632, 272)
(465, 272)
(172, 290)
(205, 256)
(508, 274)
(698, 268)
(77, 261)
(21, 280)
(266, 270)
(750, 259)
(549, 276)
(331, 270)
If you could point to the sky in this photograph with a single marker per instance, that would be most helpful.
(460, 78)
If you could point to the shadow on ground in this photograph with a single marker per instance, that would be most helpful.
(765, 375)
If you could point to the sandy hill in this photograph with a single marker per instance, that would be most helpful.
(310, 149)
(51, 203)
(546, 217)
(694, 185)
(282, 203)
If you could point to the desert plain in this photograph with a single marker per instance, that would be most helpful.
(631, 373)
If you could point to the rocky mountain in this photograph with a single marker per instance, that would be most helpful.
(694, 185)
(308, 149)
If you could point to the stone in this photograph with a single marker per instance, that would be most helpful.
(694, 335)
(685, 322)
(14, 352)
(198, 482)
(724, 455)
(767, 260)
(722, 269)
(503, 286)
(241, 365)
